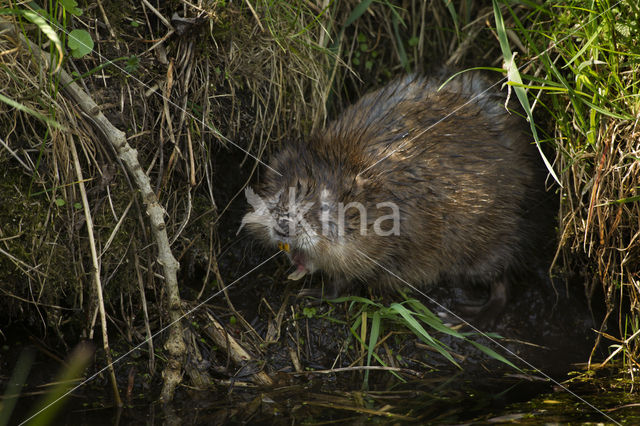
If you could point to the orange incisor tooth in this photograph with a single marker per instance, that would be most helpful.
(284, 246)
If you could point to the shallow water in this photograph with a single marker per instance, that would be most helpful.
(441, 400)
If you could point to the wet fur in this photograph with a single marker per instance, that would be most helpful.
(468, 188)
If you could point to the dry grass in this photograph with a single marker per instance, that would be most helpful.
(40, 264)
(600, 221)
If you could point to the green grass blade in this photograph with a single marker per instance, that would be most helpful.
(454, 15)
(41, 22)
(584, 48)
(54, 399)
(17, 105)
(402, 54)
(417, 328)
(374, 333)
(626, 200)
(17, 380)
(514, 75)
(358, 299)
(432, 320)
(493, 354)
(357, 12)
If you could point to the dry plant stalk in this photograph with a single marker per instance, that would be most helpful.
(95, 272)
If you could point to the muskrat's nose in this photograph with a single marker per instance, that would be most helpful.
(282, 227)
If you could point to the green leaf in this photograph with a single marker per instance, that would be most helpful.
(71, 6)
(309, 312)
(358, 299)
(623, 29)
(15, 383)
(60, 202)
(70, 374)
(80, 43)
(584, 48)
(133, 62)
(626, 200)
(432, 320)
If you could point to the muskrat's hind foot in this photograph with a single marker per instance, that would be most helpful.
(486, 315)
(319, 294)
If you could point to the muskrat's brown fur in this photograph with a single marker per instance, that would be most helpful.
(461, 169)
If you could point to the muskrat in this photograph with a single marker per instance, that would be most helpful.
(411, 184)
